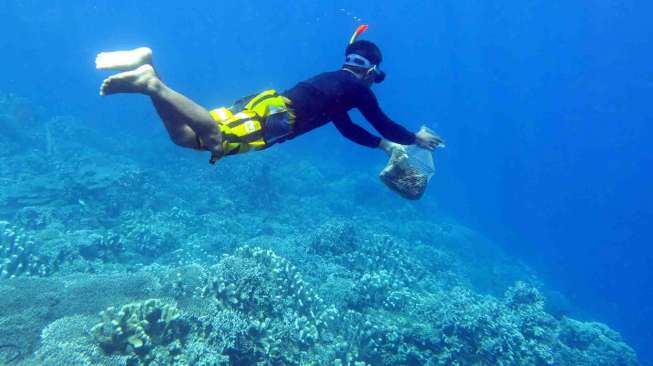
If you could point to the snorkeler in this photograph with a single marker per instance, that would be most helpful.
(260, 121)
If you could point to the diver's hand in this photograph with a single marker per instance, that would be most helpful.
(428, 139)
(391, 147)
(216, 153)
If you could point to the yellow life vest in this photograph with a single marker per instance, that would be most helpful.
(263, 120)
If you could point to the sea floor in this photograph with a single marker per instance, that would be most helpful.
(132, 252)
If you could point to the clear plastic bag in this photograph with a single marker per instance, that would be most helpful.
(409, 171)
(421, 160)
(407, 178)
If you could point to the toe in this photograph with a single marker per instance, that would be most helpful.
(105, 91)
(105, 86)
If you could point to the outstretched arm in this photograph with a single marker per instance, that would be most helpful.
(354, 132)
(369, 107)
(359, 135)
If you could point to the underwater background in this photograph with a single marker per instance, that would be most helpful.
(532, 245)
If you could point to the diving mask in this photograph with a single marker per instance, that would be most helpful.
(360, 61)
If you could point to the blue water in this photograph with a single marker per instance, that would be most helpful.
(545, 107)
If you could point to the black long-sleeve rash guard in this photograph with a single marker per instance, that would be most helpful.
(329, 96)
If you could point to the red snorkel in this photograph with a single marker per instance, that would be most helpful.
(356, 60)
(358, 32)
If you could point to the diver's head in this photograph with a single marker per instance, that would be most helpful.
(363, 58)
(366, 49)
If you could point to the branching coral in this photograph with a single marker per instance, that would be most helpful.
(377, 289)
(137, 328)
(16, 256)
(334, 237)
(285, 315)
(453, 328)
(585, 344)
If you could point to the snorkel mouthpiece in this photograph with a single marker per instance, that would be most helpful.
(379, 76)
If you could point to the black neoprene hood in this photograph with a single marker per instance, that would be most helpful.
(366, 49)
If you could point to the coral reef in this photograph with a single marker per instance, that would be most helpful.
(139, 329)
(333, 238)
(285, 315)
(590, 343)
(252, 265)
(65, 342)
(256, 308)
(17, 256)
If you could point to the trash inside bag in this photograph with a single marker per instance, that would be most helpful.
(409, 171)
(421, 159)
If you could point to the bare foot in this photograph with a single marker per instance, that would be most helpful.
(123, 60)
(142, 80)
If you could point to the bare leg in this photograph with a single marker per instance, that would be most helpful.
(123, 60)
(188, 124)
